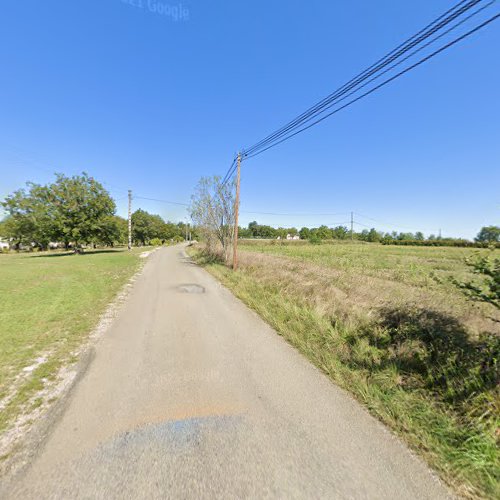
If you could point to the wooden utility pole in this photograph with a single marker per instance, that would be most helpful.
(130, 219)
(352, 226)
(236, 214)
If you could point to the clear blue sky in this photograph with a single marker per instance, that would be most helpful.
(141, 100)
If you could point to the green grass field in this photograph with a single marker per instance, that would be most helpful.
(387, 324)
(50, 303)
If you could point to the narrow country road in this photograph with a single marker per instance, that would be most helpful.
(191, 395)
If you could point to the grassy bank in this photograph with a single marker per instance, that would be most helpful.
(50, 302)
(386, 324)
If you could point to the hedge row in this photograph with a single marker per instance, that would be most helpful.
(442, 243)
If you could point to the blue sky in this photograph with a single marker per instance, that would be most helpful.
(144, 101)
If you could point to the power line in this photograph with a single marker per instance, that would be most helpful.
(388, 224)
(162, 201)
(230, 171)
(294, 214)
(328, 101)
(352, 84)
(357, 88)
(384, 83)
(360, 224)
(288, 214)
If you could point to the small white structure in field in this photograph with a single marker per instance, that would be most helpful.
(4, 244)
(290, 237)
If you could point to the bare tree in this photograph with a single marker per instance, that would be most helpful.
(212, 210)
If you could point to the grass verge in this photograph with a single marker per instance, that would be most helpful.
(387, 326)
(50, 303)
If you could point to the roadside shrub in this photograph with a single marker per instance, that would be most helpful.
(156, 242)
(433, 352)
(489, 289)
(315, 240)
(440, 243)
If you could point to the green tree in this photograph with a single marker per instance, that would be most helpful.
(71, 210)
(406, 236)
(171, 230)
(419, 236)
(373, 236)
(146, 226)
(244, 232)
(305, 233)
(78, 208)
(30, 219)
(363, 236)
(489, 234)
(324, 233)
(340, 232)
(281, 233)
(114, 231)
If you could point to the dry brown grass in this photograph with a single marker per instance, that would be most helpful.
(388, 325)
(352, 296)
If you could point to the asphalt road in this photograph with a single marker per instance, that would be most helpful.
(191, 395)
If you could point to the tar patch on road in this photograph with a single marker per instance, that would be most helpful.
(191, 288)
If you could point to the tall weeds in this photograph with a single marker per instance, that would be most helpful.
(414, 363)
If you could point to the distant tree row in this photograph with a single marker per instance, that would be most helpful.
(487, 235)
(76, 211)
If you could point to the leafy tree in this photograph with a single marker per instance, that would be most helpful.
(171, 230)
(78, 207)
(406, 236)
(244, 232)
(305, 233)
(340, 232)
(29, 220)
(419, 236)
(387, 238)
(281, 232)
(324, 233)
(72, 210)
(114, 230)
(121, 230)
(253, 228)
(262, 231)
(363, 236)
(373, 236)
(268, 232)
(146, 226)
(314, 238)
(489, 234)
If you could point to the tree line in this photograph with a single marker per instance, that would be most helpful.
(487, 235)
(74, 212)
